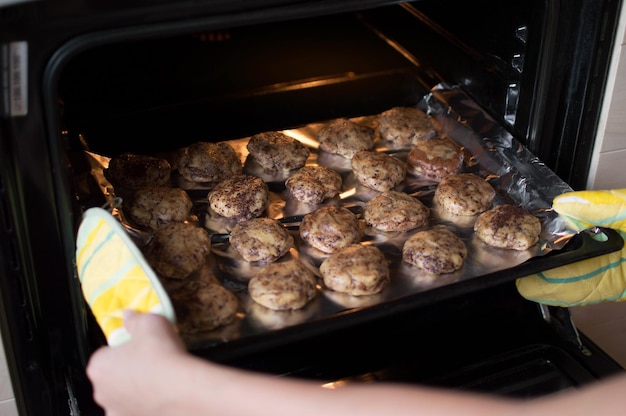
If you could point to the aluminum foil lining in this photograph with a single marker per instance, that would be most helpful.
(517, 175)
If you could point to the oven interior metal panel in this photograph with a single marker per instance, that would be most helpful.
(510, 57)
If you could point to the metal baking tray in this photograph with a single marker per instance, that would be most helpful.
(491, 151)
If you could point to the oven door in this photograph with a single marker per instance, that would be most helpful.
(493, 342)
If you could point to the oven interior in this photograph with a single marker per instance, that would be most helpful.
(230, 82)
(158, 87)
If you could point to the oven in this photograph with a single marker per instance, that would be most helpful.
(86, 80)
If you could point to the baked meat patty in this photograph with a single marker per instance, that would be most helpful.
(330, 228)
(178, 249)
(464, 194)
(435, 158)
(202, 306)
(132, 171)
(314, 184)
(240, 197)
(357, 270)
(261, 239)
(157, 206)
(396, 211)
(405, 126)
(208, 162)
(274, 150)
(437, 250)
(345, 137)
(283, 285)
(377, 170)
(508, 226)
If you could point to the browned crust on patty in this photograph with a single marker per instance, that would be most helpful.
(437, 250)
(377, 170)
(241, 197)
(314, 184)
(178, 249)
(435, 158)
(345, 137)
(208, 162)
(155, 207)
(464, 194)
(508, 226)
(261, 239)
(405, 126)
(202, 306)
(396, 211)
(330, 228)
(357, 270)
(275, 150)
(132, 171)
(283, 286)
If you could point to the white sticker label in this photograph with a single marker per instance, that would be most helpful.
(18, 79)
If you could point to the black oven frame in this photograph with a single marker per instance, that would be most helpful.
(556, 117)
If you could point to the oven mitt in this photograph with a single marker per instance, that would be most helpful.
(115, 276)
(595, 280)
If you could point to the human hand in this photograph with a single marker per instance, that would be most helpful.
(595, 280)
(136, 378)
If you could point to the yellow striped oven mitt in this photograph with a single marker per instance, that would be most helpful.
(595, 280)
(114, 275)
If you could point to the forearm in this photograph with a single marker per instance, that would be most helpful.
(226, 391)
(153, 375)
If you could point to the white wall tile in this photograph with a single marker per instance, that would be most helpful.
(8, 408)
(611, 135)
(7, 398)
(611, 172)
(6, 390)
(605, 325)
(614, 137)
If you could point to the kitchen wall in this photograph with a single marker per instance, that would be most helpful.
(609, 156)
(606, 323)
(7, 398)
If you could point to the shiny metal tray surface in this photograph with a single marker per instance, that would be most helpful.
(491, 152)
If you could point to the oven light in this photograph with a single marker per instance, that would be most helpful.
(348, 193)
(302, 138)
(334, 385)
